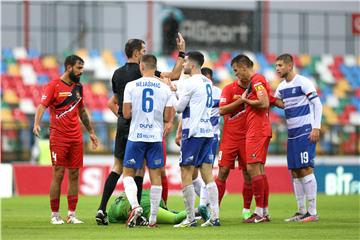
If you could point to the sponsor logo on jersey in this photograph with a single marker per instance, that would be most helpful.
(66, 94)
(146, 125)
(253, 155)
(43, 97)
(293, 91)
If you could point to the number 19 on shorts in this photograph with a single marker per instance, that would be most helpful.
(304, 156)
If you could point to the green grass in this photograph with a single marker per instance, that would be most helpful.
(28, 218)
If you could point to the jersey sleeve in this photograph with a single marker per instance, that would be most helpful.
(277, 93)
(113, 82)
(308, 89)
(183, 97)
(48, 96)
(225, 97)
(127, 93)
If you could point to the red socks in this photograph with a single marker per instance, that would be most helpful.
(72, 202)
(258, 188)
(266, 193)
(165, 188)
(54, 204)
(221, 188)
(247, 194)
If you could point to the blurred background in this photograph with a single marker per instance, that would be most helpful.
(323, 37)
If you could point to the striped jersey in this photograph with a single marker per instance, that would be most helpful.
(299, 112)
(195, 101)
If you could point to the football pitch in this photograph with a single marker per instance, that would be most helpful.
(28, 218)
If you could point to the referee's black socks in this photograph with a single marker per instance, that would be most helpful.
(139, 183)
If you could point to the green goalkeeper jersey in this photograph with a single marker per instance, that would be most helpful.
(120, 209)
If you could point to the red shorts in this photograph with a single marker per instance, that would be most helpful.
(66, 154)
(256, 149)
(229, 153)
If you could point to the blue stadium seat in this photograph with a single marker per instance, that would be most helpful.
(33, 53)
(97, 116)
(93, 53)
(42, 79)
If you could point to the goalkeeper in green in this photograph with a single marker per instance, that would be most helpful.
(120, 209)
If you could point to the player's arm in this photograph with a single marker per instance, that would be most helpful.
(113, 105)
(315, 101)
(176, 72)
(127, 110)
(262, 100)
(38, 116)
(84, 116)
(231, 107)
(169, 115)
(178, 133)
(277, 102)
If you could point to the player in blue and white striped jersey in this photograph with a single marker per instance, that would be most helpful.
(303, 112)
(195, 102)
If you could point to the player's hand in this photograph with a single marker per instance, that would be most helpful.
(314, 135)
(36, 130)
(244, 95)
(180, 42)
(178, 139)
(94, 140)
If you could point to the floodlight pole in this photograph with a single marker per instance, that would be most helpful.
(26, 24)
(149, 34)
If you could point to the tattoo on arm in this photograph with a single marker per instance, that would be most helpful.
(85, 120)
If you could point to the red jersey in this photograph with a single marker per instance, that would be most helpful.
(234, 123)
(257, 119)
(64, 100)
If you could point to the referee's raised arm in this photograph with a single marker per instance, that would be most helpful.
(176, 72)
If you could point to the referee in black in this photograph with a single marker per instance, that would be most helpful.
(134, 50)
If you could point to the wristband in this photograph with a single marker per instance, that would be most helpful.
(181, 54)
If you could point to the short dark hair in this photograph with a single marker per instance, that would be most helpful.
(149, 61)
(286, 58)
(132, 45)
(242, 59)
(72, 60)
(196, 56)
(207, 71)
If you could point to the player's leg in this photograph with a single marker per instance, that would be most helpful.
(58, 154)
(155, 194)
(164, 180)
(300, 156)
(188, 153)
(247, 187)
(255, 158)
(206, 159)
(247, 194)
(155, 161)
(73, 193)
(55, 191)
(226, 161)
(75, 162)
(265, 179)
(133, 160)
(116, 171)
(310, 186)
(139, 179)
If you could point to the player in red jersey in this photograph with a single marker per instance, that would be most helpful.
(64, 97)
(232, 145)
(258, 132)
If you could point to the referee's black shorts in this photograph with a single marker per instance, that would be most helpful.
(122, 133)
